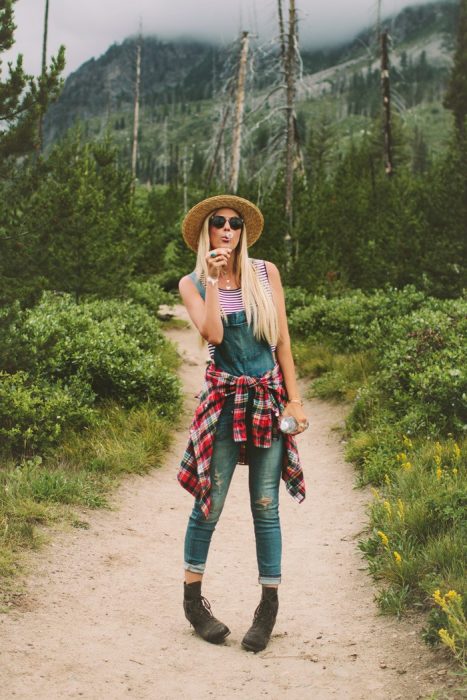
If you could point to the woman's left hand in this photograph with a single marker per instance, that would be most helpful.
(295, 410)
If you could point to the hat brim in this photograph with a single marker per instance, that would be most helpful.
(193, 221)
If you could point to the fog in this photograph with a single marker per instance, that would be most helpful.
(88, 28)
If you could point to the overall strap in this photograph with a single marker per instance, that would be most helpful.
(193, 276)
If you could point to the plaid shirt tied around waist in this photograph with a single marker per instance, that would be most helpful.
(269, 399)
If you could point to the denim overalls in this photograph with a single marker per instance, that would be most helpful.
(240, 353)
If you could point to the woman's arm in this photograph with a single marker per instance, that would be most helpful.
(206, 315)
(284, 350)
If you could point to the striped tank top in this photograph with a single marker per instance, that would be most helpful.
(230, 300)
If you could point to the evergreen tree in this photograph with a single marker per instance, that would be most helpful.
(456, 95)
(22, 97)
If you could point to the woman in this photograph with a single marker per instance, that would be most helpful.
(237, 304)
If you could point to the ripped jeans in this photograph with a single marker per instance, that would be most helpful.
(265, 465)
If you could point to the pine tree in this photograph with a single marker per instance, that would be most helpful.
(456, 95)
(23, 97)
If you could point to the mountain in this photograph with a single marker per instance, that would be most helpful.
(183, 87)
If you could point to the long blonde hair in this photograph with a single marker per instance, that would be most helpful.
(258, 302)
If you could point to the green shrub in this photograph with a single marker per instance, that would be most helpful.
(148, 293)
(33, 415)
(116, 347)
(355, 321)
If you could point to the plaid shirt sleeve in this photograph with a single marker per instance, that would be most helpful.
(268, 403)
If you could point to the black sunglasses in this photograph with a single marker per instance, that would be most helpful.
(219, 222)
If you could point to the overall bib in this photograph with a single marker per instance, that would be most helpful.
(240, 353)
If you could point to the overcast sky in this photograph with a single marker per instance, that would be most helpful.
(89, 27)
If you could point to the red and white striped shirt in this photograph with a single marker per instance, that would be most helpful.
(231, 300)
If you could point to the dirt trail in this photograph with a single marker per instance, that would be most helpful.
(103, 617)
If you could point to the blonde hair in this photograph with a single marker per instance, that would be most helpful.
(258, 302)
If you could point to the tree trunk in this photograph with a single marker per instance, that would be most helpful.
(386, 89)
(240, 103)
(281, 34)
(40, 125)
(290, 139)
(134, 153)
(220, 139)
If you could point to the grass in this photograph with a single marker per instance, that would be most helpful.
(417, 533)
(82, 472)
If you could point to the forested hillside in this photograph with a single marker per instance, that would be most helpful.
(339, 85)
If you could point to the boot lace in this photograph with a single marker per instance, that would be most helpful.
(202, 607)
(265, 614)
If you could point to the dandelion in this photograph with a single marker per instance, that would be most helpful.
(400, 509)
(447, 639)
(388, 508)
(439, 473)
(384, 538)
(398, 558)
(407, 466)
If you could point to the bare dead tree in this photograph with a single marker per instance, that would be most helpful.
(281, 34)
(386, 90)
(40, 126)
(290, 132)
(134, 151)
(219, 142)
(239, 108)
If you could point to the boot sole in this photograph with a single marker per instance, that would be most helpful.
(248, 647)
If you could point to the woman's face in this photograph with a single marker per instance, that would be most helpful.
(224, 236)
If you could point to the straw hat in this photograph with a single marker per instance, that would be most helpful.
(193, 221)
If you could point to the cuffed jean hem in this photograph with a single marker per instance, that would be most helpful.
(195, 568)
(269, 580)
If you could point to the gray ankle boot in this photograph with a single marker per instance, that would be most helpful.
(257, 637)
(198, 613)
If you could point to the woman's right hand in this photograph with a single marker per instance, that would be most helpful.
(219, 262)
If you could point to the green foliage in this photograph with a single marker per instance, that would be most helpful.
(456, 95)
(34, 413)
(65, 358)
(404, 369)
(23, 98)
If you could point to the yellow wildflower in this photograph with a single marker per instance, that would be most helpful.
(400, 509)
(407, 442)
(453, 595)
(398, 558)
(384, 538)
(439, 599)
(454, 471)
(457, 451)
(387, 480)
(447, 639)
(407, 466)
(438, 448)
(388, 508)
(401, 457)
(439, 473)
(375, 492)
(438, 460)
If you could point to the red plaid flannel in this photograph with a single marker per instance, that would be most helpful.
(268, 403)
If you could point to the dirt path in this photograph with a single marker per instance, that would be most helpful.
(103, 617)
